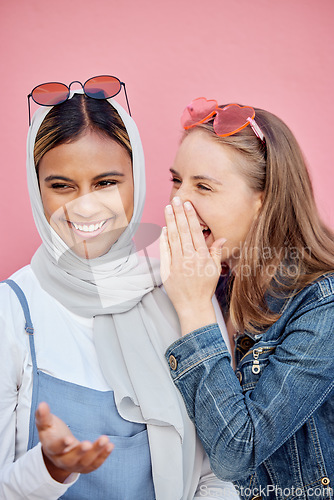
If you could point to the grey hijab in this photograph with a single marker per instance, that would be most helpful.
(112, 283)
(134, 323)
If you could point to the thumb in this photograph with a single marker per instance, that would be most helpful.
(216, 251)
(43, 416)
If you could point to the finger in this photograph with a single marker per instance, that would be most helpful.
(183, 227)
(70, 442)
(104, 454)
(216, 251)
(43, 417)
(67, 446)
(96, 453)
(195, 228)
(54, 439)
(74, 458)
(172, 232)
(165, 256)
(100, 451)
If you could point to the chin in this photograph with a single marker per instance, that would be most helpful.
(94, 247)
(90, 251)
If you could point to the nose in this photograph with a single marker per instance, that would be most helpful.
(184, 193)
(84, 207)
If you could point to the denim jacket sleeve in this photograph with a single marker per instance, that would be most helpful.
(241, 428)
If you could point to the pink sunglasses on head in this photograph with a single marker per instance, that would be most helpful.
(228, 120)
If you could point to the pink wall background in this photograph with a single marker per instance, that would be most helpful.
(276, 55)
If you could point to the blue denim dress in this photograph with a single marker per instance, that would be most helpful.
(126, 474)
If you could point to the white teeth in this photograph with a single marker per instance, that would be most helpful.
(88, 229)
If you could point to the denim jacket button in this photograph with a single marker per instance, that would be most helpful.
(239, 376)
(325, 481)
(172, 362)
(257, 498)
(246, 344)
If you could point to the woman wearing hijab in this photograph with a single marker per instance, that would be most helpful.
(85, 327)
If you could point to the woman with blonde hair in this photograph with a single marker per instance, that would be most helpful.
(243, 225)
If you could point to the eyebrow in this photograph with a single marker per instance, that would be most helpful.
(113, 173)
(199, 177)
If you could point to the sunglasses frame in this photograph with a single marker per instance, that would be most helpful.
(122, 84)
(214, 114)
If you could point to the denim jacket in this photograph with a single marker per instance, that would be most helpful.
(268, 427)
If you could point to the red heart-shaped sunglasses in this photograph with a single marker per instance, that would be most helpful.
(227, 120)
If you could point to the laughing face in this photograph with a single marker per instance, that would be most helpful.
(87, 193)
(206, 174)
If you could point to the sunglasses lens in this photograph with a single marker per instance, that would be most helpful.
(50, 94)
(198, 111)
(232, 119)
(102, 87)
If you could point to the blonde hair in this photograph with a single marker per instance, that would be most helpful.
(288, 246)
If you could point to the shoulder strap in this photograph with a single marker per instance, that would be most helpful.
(28, 326)
(30, 330)
(23, 301)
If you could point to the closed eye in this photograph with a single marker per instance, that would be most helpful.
(59, 185)
(107, 183)
(175, 180)
(203, 187)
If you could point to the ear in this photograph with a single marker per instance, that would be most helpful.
(258, 202)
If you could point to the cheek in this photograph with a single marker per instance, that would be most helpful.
(57, 218)
(172, 193)
(50, 205)
(207, 211)
(125, 202)
(128, 206)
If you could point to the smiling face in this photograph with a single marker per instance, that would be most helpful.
(87, 192)
(206, 174)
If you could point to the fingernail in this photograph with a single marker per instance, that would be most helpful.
(177, 201)
(188, 205)
(169, 209)
(110, 447)
(164, 230)
(85, 446)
